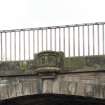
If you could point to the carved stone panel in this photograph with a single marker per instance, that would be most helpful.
(49, 61)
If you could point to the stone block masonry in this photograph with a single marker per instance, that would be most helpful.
(51, 72)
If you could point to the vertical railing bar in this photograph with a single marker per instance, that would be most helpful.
(55, 39)
(73, 41)
(98, 39)
(93, 41)
(38, 41)
(42, 39)
(50, 39)
(10, 46)
(83, 41)
(5, 46)
(24, 43)
(69, 40)
(1, 46)
(46, 40)
(103, 40)
(29, 45)
(15, 45)
(59, 39)
(33, 41)
(64, 40)
(19, 45)
(88, 40)
(78, 40)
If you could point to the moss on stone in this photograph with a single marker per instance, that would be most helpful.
(74, 63)
(95, 62)
(23, 66)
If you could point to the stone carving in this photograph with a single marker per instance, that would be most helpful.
(49, 61)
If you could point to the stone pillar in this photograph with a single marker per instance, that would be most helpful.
(47, 65)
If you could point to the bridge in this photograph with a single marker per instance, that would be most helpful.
(65, 59)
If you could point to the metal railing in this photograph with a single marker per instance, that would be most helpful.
(74, 40)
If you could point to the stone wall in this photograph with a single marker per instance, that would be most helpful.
(17, 86)
(85, 84)
(90, 84)
(85, 63)
(77, 75)
(16, 68)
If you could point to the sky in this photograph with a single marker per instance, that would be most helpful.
(18, 14)
(39, 13)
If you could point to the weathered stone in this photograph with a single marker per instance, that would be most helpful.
(97, 62)
(51, 72)
(16, 68)
(83, 63)
(74, 63)
(49, 61)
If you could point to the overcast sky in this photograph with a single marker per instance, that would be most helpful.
(17, 14)
(36, 13)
